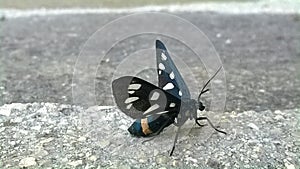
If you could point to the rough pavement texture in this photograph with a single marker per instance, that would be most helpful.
(64, 136)
(260, 54)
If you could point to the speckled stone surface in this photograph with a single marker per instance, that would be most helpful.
(64, 136)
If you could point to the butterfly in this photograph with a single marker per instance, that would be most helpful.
(157, 107)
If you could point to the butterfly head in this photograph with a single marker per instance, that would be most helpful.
(201, 107)
(198, 105)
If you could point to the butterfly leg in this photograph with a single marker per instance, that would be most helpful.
(201, 125)
(175, 141)
(210, 123)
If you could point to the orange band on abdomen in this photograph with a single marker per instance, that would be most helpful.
(145, 126)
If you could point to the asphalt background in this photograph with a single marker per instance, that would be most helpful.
(260, 54)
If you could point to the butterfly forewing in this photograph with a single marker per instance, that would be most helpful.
(138, 98)
(169, 78)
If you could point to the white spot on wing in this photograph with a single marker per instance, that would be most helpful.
(155, 96)
(172, 105)
(163, 56)
(161, 66)
(172, 76)
(180, 93)
(131, 91)
(168, 86)
(159, 72)
(163, 112)
(152, 108)
(129, 106)
(131, 99)
(134, 86)
(175, 120)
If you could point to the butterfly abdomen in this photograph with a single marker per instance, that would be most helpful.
(151, 126)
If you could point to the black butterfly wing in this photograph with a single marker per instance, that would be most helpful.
(169, 78)
(138, 98)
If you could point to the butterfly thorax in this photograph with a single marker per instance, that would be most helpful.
(188, 110)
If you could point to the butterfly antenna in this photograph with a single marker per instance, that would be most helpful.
(206, 90)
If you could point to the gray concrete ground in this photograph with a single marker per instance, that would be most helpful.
(64, 136)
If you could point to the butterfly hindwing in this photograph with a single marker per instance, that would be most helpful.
(169, 78)
(138, 98)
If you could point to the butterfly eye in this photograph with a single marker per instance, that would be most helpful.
(201, 106)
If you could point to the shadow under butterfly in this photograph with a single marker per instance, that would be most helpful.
(157, 107)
